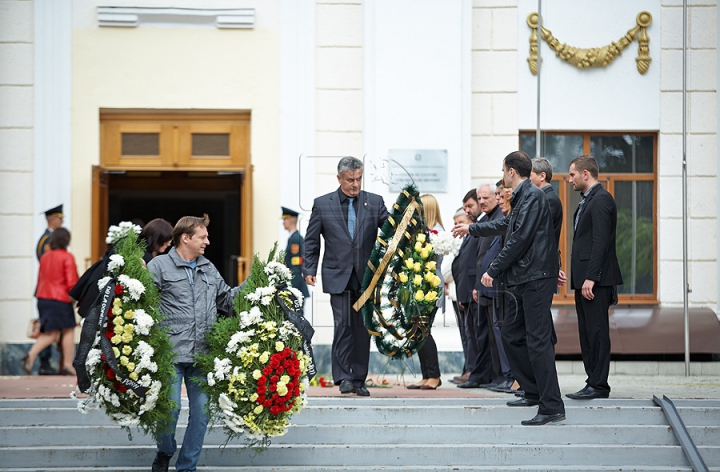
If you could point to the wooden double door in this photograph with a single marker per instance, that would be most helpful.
(172, 165)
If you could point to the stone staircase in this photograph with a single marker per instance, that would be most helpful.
(362, 434)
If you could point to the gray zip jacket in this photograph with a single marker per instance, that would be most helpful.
(190, 300)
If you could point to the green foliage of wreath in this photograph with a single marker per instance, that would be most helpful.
(400, 280)
(152, 413)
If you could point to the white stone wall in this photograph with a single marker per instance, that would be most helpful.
(494, 86)
(701, 154)
(17, 259)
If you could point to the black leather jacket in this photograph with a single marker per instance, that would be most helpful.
(530, 251)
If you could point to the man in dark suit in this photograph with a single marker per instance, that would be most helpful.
(594, 274)
(294, 250)
(464, 269)
(348, 220)
(486, 371)
(529, 265)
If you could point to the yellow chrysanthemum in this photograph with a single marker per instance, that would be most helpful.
(116, 339)
(127, 337)
(285, 379)
(264, 357)
(279, 346)
(130, 366)
(124, 360)
(129, 328)
(256, 374)
(116, 351)
(118, 321)
(118, 330)
(127, 350)
(129, 315)
(253, 397)
(133, 375)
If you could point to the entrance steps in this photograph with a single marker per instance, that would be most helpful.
(387, 434)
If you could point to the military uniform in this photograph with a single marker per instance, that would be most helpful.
(293, 254)
(44, 240)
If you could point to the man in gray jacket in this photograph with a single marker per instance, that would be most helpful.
(192, 292)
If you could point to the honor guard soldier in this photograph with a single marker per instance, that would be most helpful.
(294, 250)
(54, 217)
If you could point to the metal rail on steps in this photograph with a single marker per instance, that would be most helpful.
(681, 433)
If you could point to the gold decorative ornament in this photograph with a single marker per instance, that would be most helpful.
(593, 57)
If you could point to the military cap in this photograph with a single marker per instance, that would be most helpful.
(57, 211)
(288, 213)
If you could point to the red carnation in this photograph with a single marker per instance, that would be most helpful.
(109, 334)
(118, 289)
(110, 374)
(267, 403)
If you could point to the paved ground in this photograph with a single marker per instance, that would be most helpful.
(624, 386)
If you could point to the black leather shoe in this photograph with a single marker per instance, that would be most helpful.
(161, 462)
(346, 386)
(362, 391)
(414, 387)
(523, 402)
(519, 392)
(488, 385)
(588, 393)
(543, 419)
(468, 384)
(504, 387)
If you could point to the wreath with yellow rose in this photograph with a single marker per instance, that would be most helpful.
(400, 286)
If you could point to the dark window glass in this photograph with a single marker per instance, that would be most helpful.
(625, 154)
(634, 245)
(211, 144)
(140, 144)
(559, 149)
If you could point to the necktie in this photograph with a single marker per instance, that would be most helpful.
(352, 218)
(579, 210)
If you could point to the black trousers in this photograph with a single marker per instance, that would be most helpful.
(351, 341)
(479, 361)
(594, 330)
(527, 333)
(429, 363)
(459, 317)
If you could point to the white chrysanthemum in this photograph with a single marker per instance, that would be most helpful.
(143, 322)
(250, 318)
(116, 233)
(93, 358)
(222, 368)
(225, 403)
(103, 282)
(210, 379)
(298, 294)
(134, 286)
(116, 262)
(241, 337)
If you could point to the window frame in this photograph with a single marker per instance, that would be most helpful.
(565, 295)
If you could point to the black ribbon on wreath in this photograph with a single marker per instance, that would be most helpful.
(295, 316)
(96, 319)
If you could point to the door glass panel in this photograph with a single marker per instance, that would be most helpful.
(634, 202)
(211, 144)
(559, 149)
(140, 144)
(623, 154)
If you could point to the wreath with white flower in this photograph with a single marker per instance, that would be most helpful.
(258, 363)
(124, 359)
(400, 287)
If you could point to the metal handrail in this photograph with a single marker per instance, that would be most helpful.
(681, 433)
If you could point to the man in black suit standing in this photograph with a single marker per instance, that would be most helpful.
(528, 262)
(348, 220)
(464, 269)
(594, 274)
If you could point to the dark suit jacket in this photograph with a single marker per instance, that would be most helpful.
(483, 244)
(343, 254)
(464, 269)
(556, 210)
(593, 254)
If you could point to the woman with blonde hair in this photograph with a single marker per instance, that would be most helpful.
(429, 363)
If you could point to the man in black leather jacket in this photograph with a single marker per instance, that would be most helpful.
(528, 262)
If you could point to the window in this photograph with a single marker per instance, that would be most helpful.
(628, 172)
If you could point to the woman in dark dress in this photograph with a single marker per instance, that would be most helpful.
(57, 275)
(157, 234)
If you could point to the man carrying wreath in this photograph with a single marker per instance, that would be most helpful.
(348, 220)
(192, 292)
